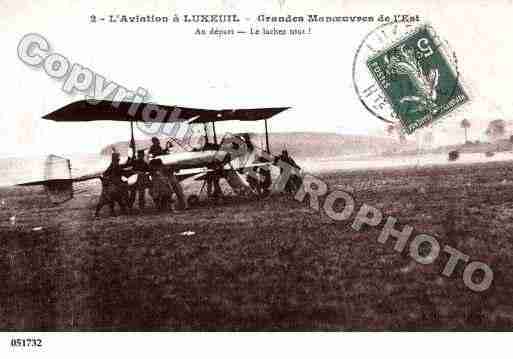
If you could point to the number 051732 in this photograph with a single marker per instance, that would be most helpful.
(26, 342)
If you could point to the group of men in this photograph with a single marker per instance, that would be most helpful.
(161, 186)
(162, 182)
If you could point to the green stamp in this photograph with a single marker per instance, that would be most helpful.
(420, 83)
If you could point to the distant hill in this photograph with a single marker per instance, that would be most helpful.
(304, 144)
(501, 145)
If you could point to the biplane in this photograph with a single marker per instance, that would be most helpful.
(230, 157)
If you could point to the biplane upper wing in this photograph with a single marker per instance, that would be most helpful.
(103, 110)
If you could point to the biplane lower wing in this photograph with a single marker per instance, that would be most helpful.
(187, 160)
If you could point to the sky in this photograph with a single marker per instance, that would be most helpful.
(312, 73)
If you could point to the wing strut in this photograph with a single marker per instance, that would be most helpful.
(132, 140)
(266, 138)
(214, 130)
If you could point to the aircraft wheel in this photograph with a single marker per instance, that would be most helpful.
(193, 200)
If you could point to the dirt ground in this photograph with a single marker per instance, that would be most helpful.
(271, 264)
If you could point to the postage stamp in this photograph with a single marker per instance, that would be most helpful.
(417, 79)
(407, 75)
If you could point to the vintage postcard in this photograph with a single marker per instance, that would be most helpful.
(272, 166)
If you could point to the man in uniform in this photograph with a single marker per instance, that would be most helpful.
(114, 171)
(141, 168)
(160, 190)
(294, 181)
(114, 190)
(156, 149)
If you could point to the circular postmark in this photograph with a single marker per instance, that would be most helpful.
(407, 75)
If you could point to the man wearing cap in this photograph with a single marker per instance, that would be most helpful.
(156, 149)
(114, 170)
(161, 190)
(114, 190)
(140, 167)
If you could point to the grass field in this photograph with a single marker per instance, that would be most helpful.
(272, 264)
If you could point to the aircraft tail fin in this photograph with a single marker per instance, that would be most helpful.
(58, 181)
